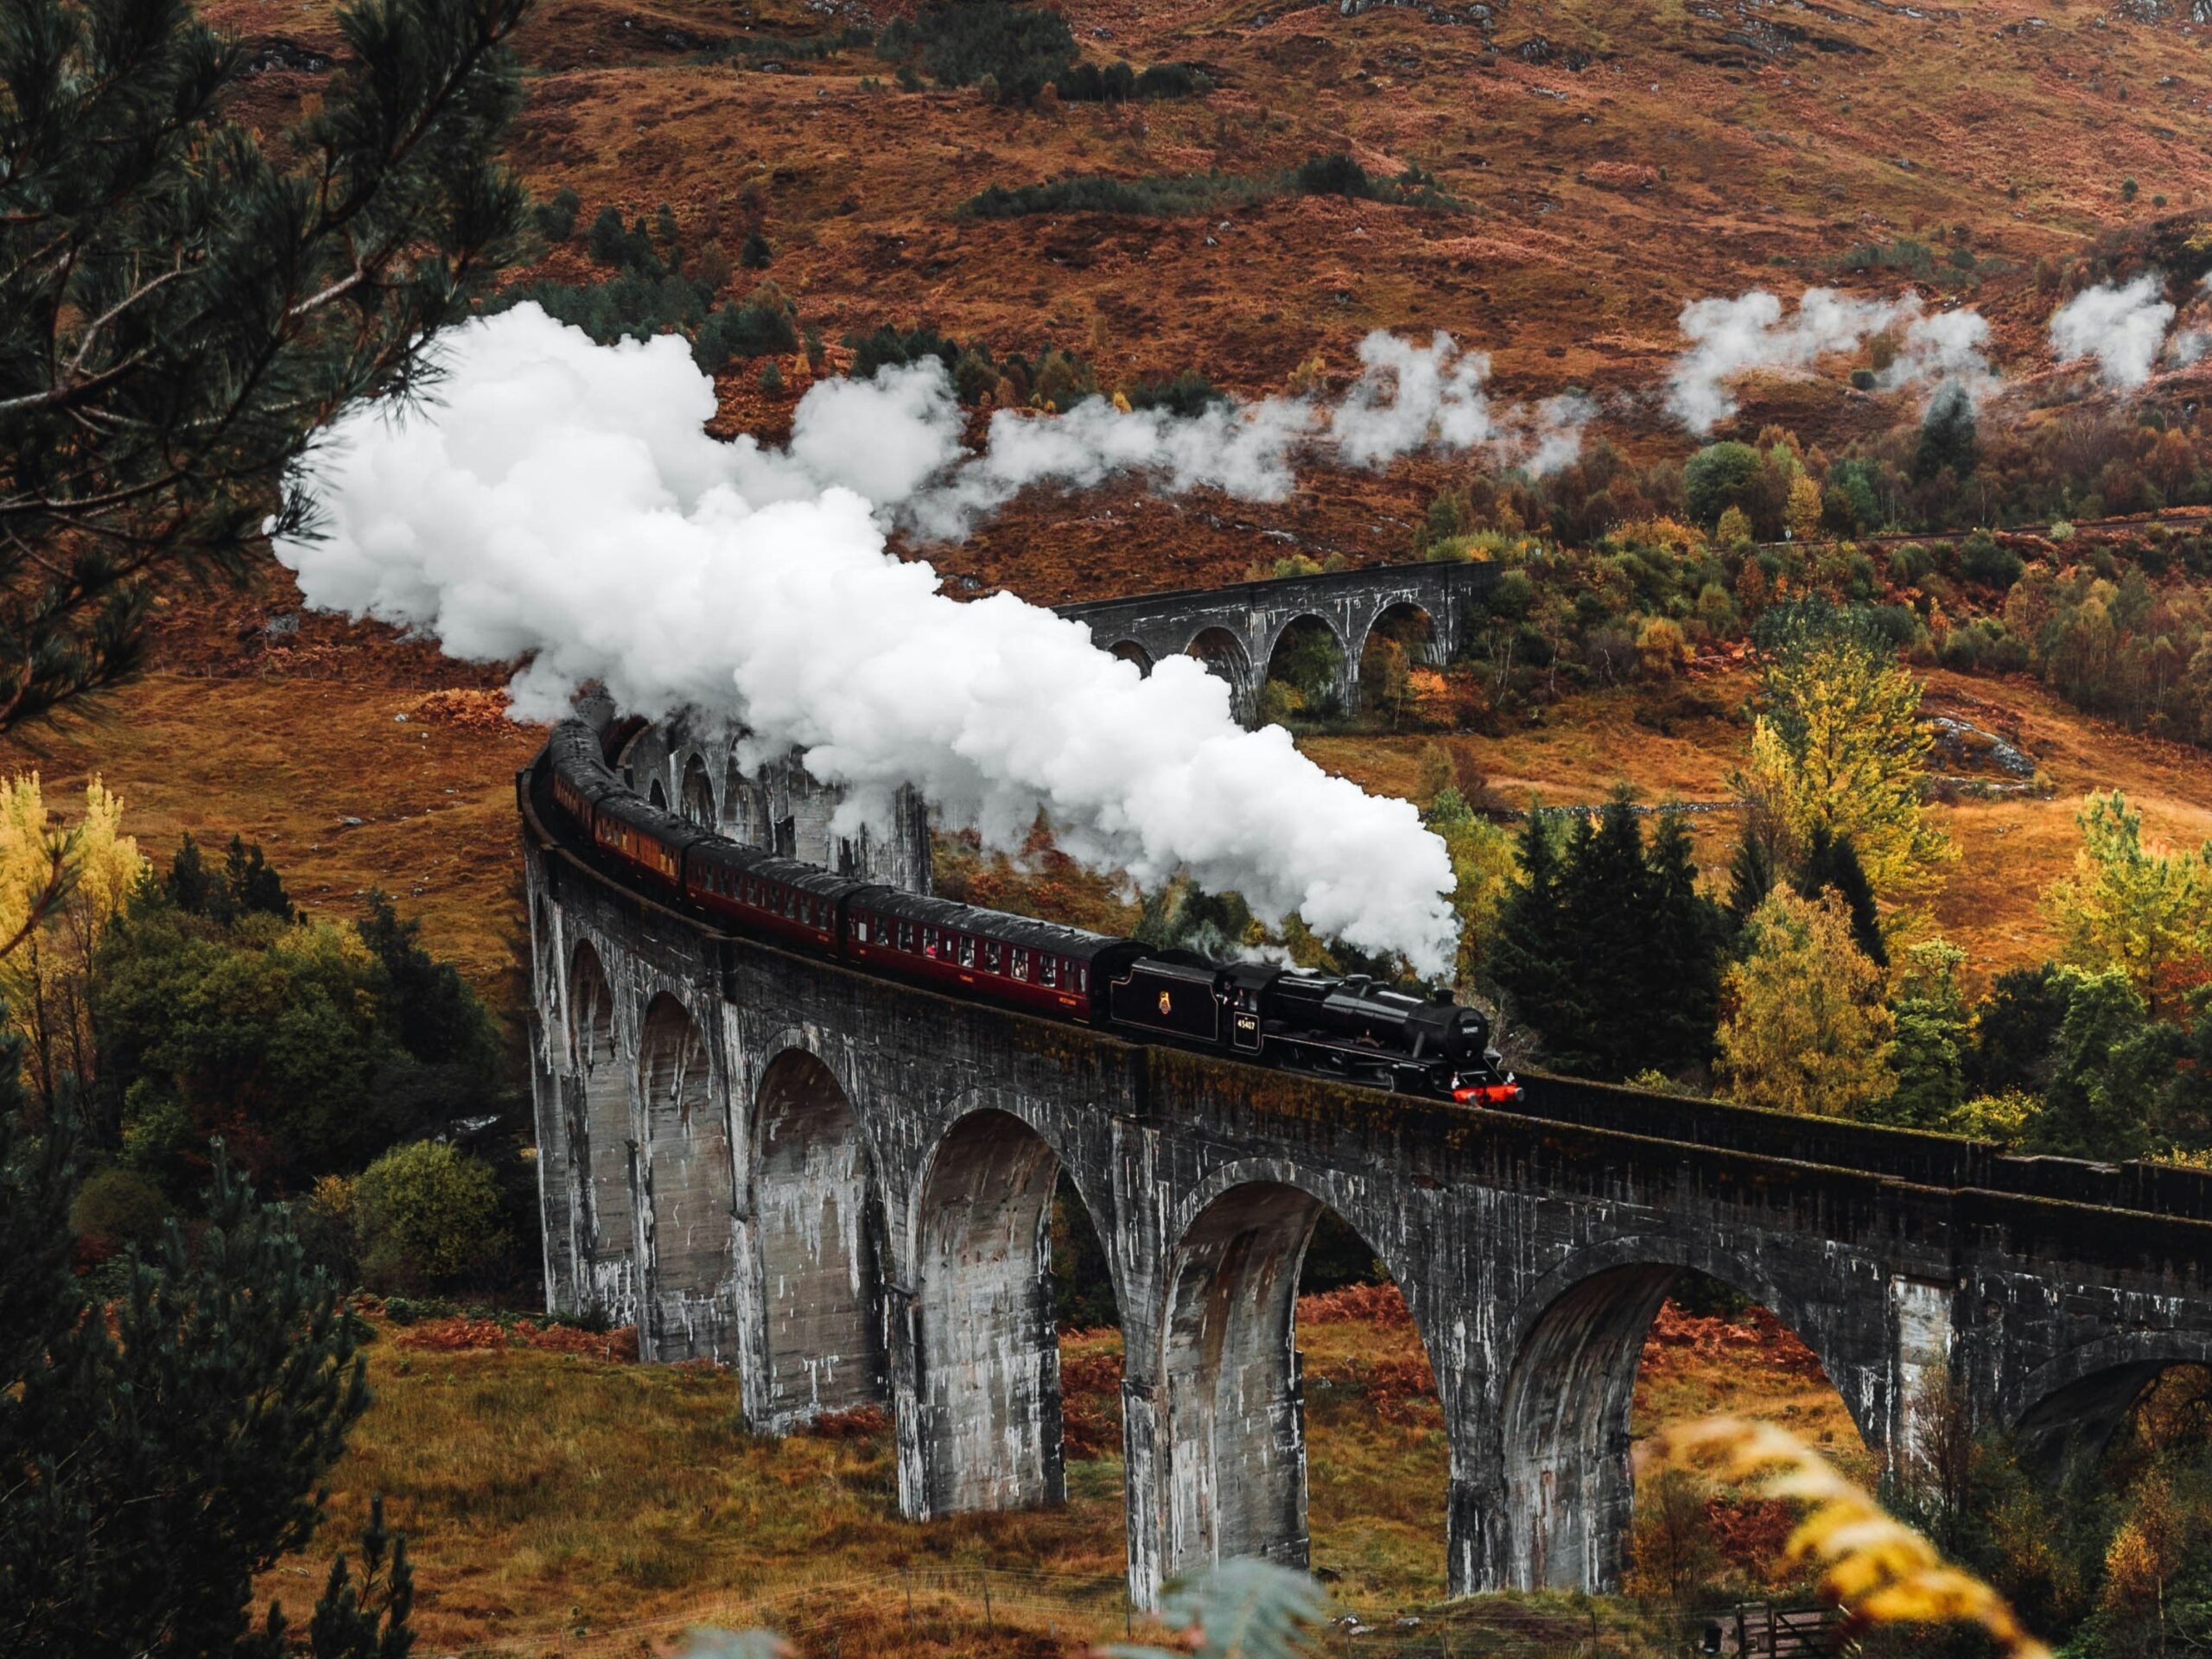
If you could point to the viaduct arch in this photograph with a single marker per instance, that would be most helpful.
(1235, 630)
(839, 1185)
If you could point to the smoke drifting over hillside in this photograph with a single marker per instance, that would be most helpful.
(896, 439)
(1408, 397)
(1732, 337)
(2123, 326)
(562, 500)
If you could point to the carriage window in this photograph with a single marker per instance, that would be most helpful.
(929, 942)
(905, 936)
(1049, 970)
(859, 930)
(967, 951)
(1022, 965)
(994, 956)
(1081, 978)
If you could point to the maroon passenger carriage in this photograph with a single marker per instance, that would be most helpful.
(1348, 1028)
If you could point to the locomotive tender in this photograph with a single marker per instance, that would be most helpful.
(1346, 1028)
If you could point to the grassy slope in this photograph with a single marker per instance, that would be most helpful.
(2010, 849)
(1676, 164)
(543, 1491)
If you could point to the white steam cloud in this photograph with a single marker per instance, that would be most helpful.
(1734, 337)
(896, 439)
(1408, 396)
(2122, 327)
(562, 500)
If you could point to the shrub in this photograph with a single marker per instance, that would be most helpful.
(1155, 196)
(1718, 477)
(1187, 394)
(425, 1217)
(119, 1207)
(1332, 176)
(556, 217)
(1116, 83)
(1018, 49)
(772, 377)
(755, 254)
(1914, 259)
(1984, 561)
(625, 247)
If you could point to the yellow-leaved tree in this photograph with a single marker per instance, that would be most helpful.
(1839, 746)
(2145, 912)
(1802, 514)
(1805, 1029)
(59, 887)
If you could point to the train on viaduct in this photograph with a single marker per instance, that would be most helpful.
(840, 1186)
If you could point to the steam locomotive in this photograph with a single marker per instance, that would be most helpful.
(1348, 1028)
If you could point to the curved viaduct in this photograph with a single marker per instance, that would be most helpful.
(1235, 630)
(840, 1187)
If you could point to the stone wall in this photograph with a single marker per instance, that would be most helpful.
(883, 1159)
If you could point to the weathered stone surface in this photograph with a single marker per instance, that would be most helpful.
(840, 1186)
(1235, 630)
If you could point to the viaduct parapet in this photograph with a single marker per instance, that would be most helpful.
(840, 1187)
(1235, 630)
(697, 770)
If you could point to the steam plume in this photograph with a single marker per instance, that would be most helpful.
(2122, 327)
(1732, 337)
(1408, 396)
(561, 500)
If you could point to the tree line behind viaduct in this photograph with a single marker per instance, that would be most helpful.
(841, 1188)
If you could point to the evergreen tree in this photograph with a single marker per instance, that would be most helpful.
(1751, 874)
(1932, 1036)
(1606, 906)
(158, 1458)
(1831, 865)
(188, 885)
(2109, 1063)
(428, 1005)
(2016, 1030)
(1948, 435)
(1682, 956)
(1530, 963)
(255, 887)
(182, 305)
(1608, 949)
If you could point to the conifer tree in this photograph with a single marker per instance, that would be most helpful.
(1831, 865)
(1530, 963)
(1682, 977)
(188, 884)
(156, 1458)
(1752, 873)
(1932, 1037)
(255, 887)
(1608, 949)
(182, 305)
(1949, 436)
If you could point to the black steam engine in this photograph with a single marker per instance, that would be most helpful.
(1349, 1028)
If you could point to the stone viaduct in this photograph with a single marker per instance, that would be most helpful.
(1235, 630)
(840, 1187)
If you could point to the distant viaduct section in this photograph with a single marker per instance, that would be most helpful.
(1234, 631)
(840, 1187)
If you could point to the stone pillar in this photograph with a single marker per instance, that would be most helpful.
(1144, 1411)
(1921, 1332)
(908, 1427)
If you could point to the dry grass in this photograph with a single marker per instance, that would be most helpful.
(541, 1491)
(1674, 165)
(2010, 848)
(547, 1491)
